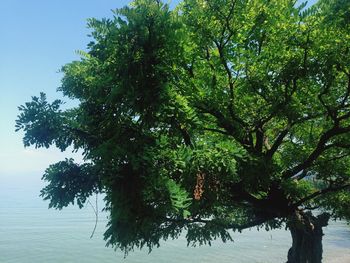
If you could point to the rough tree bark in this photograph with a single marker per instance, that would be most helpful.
(306, 231)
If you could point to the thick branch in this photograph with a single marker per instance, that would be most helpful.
(229, 76)
(229, 126)
(259, 140)
(277, 142)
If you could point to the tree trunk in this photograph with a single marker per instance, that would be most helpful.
(306, 231)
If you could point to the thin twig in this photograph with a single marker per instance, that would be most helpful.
(95, 209)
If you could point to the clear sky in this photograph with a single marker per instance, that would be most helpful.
(37, 38)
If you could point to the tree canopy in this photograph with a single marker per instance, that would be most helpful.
(217, 115)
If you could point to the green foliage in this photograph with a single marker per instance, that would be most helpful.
(41, 121)
(180, 200)
(217, 115)
(68, 182)
(336, 203)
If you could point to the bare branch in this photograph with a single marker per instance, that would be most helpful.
(320, 192)
(319, 149)
(344, 117)
(218, 222)
(340, 145)
(280, 106)
(339, 157)
(280, 137)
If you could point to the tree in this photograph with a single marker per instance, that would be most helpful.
(218, 115)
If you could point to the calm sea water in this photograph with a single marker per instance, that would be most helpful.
(29, 232)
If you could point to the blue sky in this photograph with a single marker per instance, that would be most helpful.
(37, 38)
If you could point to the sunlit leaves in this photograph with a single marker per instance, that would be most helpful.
(197, 118)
